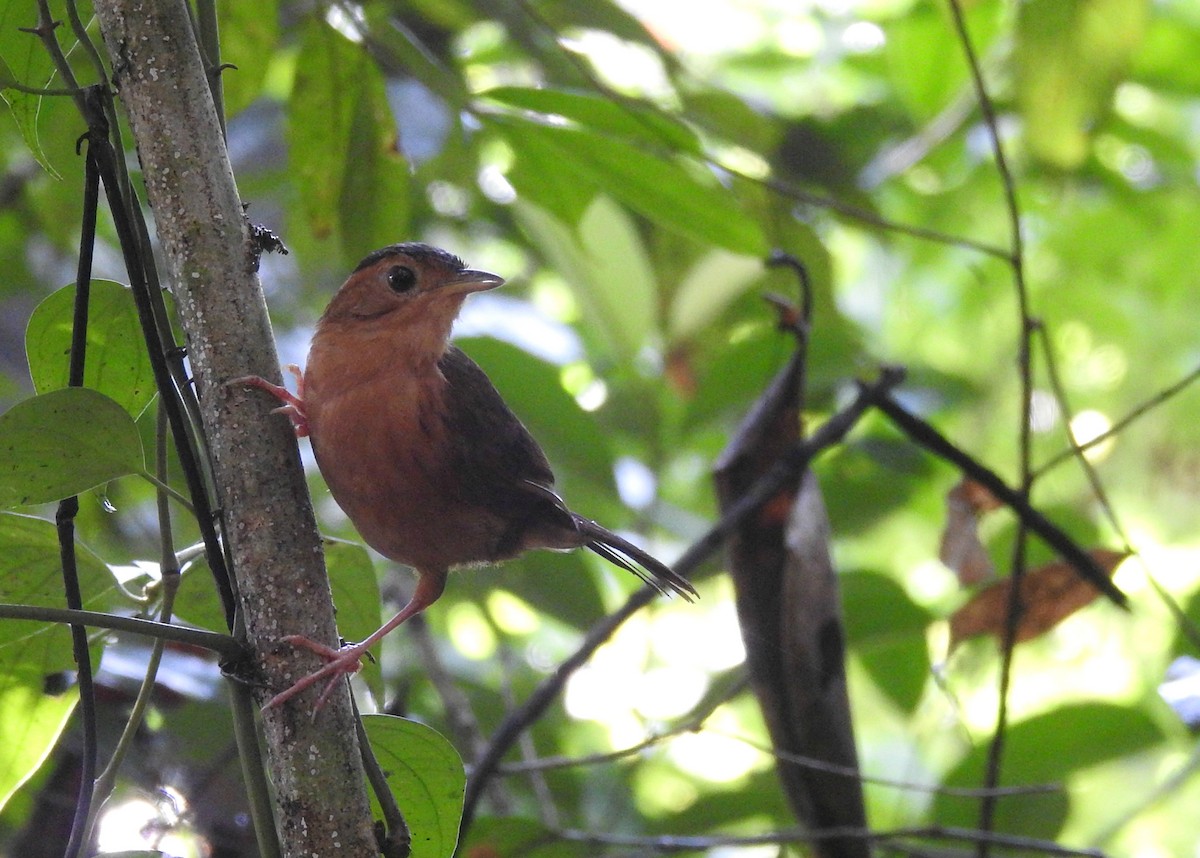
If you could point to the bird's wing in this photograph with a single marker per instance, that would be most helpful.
(503, 470)
(501, 458)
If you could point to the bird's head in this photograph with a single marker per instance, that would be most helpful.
(405, 284)
(408, 291)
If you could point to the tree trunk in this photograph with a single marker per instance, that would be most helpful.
(320, 797)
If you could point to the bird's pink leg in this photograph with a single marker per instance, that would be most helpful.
(347, 660)
(293, 405)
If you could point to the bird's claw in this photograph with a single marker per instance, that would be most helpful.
(345, 661)
(293, 403)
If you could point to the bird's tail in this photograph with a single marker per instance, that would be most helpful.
(621, 552)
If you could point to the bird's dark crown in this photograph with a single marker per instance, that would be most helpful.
(417, 250)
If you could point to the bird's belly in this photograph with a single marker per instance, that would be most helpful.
(397, 491)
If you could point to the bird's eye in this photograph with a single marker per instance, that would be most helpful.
(401, 278)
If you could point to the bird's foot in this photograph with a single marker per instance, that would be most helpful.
(345, 661)
(293, 403)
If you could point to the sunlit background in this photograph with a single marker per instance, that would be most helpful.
(1110, 261)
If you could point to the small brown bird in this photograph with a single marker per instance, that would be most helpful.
(418, 447)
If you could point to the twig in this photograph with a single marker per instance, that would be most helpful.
(65, 519)
(864, 216)
(670, 843)
(40, 90)
(796, 460)
(457, 707)
(1025, 369)
(1075, 449)
(537, 781)
(208, 37)
(396, 839)
(519, 720)
(85, 41)
(928, 437)
(1119, 426)
(224, 645)
(1186, 625)
(780, 259)
(254, 769)
(45, 31)
(169, 579)
(908, 786)
(696, 723)
(690, 725)
(894, 159)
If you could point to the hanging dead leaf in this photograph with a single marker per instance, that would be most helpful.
(961, 550)
(1049, 594)
(789, 607)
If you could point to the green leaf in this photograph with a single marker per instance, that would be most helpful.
(246, 28)
(407, 50)
(356, 597)
(343, 145)
(355, 588)
(653, 185)
(606, 264)
(197, 601)
(885, 630)
(1070, 56)
(609, 17)
(1166, 60)
(31, 574)
(117, 364)
(330, 72)
(531, 387)
(557, 584)
(709, 287)
(1047, 748)
(63, 443)
(513, 837)
(373, 205)
(545, 183)
(621, 286)
(7, 78)
(426, 778)
(926, 65)
(729, 116)
(746, 365)
(632, 120)
(24, 61)
(30, 723)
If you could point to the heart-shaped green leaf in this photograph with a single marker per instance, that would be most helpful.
(116, 365)
(62, 443)
(426, 777)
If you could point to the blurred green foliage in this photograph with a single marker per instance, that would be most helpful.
(627, 167)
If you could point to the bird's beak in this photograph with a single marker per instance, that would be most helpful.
(470, 280)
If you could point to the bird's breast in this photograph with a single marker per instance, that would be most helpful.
(384, 450)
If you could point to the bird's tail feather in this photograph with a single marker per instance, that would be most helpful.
(621, 552)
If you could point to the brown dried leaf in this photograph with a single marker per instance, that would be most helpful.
(1049, 594)
(681, 373)
(961, 551)
(977, 495)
